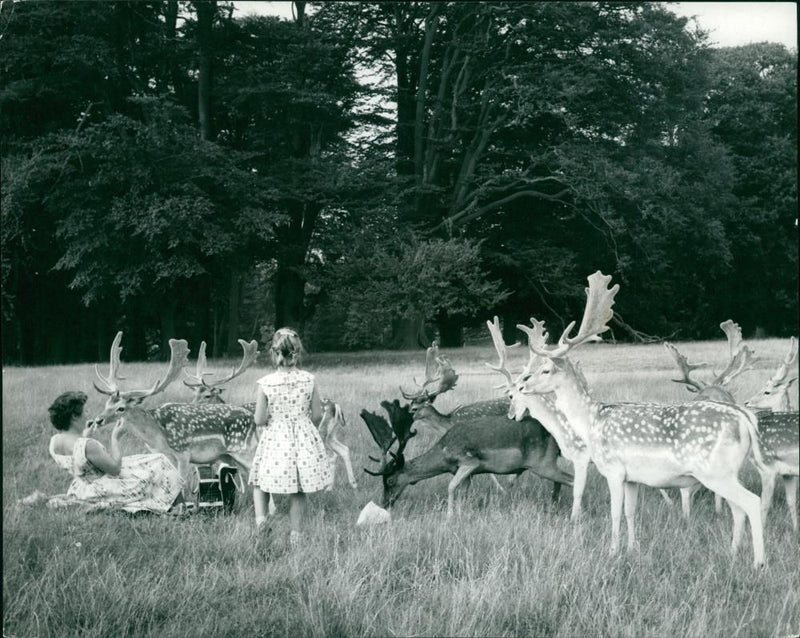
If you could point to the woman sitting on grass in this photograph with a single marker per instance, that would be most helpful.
(104, 479)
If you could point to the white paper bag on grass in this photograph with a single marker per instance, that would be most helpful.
(373, 515)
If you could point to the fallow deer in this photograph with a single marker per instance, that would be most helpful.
(489, 444)
(211, 391)
(777, 425)
(540, 407)
(657, 445)
(741, 358)
(186, 432)
(780, 432)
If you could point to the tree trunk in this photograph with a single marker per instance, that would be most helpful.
(206, 10)
(451, 332)
(408, 333)
(234, 306)
(167, 316)
(289, 297)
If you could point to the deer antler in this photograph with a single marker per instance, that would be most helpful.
(785, 373)
(537, 339)
(596, 315)
(443, 379)
(734, 334)
(249, 355)
(196, 379)
(113, 369)
(687, 369)
(501, 348)
(741, 361)
(179, 354)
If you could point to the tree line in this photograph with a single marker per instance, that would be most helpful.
(374, 174)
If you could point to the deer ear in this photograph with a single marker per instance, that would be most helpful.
(138, 400)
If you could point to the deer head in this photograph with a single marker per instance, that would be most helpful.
(385, 435)
(439, 378)
(119, 401)
(210, 391)
(549, 374)
(774, 395)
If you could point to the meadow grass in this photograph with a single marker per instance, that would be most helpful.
(509, 564)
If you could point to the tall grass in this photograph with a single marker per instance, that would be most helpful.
(509, 564)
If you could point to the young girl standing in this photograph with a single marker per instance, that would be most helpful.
(290, 456)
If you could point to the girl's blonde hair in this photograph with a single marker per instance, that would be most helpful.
(286, 347)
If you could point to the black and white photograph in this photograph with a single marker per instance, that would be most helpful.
(393, 319)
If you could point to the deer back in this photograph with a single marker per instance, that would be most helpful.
(184, 423)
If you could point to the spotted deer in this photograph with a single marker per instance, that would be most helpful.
(487, 444)
(779, 427)
(640, 443)
(186, 432)
(741, 359)
(777, 424)
(541, 407)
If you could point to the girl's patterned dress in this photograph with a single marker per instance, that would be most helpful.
(290, 456)
(145, 482)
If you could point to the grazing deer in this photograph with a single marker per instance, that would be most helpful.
(186, 432)
(488, 444)
(777, 427)
(657, 445)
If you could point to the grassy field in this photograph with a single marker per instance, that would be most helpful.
(510, 564)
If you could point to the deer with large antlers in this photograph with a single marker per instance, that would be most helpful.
(541, 407)
(777, 425)
(741, 359)
(488, 444)
(640, 443)
(211, 391)
(186, 432)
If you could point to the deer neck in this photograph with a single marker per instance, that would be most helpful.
(432, 463)
(575, 403)
(543, 408)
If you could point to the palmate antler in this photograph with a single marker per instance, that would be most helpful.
(179, 353)
(741, 359)
(385, 435)
(596, 315)
(249, 356)
(439, 378)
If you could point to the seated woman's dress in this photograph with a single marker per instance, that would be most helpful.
(145, 482)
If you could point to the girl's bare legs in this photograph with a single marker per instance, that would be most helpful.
(297, 514)
(260, 503)
(297, 511)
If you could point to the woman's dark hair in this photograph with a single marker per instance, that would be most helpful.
(65, 407)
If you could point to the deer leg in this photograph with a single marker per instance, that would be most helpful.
(344, 453)
(740, 501)
(497, 482)
(631, 491)
(581, 473)
(686, 501)
(667, 498)
(790, 487)
(767, 490)
(616, 492)
(461, 473)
